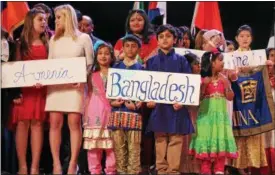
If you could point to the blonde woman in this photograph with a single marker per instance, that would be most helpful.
(67, 42)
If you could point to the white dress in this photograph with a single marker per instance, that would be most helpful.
(66, 98)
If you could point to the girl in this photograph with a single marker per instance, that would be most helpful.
(28, 111)
(230, 46)
(187, 39)
(96, 135)
(67, 42)
(214, 138)
(138, 23)
(251, 148)
(188, 163)
(200, 41)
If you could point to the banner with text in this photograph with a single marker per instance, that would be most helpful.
(234, 59)
(45, 72)
(160, 87)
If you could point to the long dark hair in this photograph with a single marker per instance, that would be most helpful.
(206, 63)
(186, 30)
(26, 35)
(147, 29)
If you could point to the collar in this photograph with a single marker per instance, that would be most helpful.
(171, 52)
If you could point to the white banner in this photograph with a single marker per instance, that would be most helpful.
(45, 72)
(160, 87)
(184, 51)
(235, 59)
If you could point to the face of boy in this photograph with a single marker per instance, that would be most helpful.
(166, 40)
(130, 49)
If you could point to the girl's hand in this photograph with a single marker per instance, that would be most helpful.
(117, 102)
(151, 104)
(38, 85)
(130, 105)
(233, 75)
(177, 106)
(18, 101)
(76, 85)
(224, 80)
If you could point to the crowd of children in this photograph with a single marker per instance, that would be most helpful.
(130, 136)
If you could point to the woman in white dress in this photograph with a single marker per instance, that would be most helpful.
(67, 42)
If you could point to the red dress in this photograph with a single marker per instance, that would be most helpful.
(33, 105)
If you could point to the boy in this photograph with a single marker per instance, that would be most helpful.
(169, 122)
(126, 121)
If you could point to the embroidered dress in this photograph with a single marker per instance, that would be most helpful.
(214, 136)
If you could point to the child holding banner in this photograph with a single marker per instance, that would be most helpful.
(97, 138)
(168, 122)
(29, 110)
(250, 148)
(214, 138)
(126, 121)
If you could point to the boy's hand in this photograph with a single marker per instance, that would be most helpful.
(177, 106)
(138, 104)
(151, 104)
(117, 102)
(130, 105)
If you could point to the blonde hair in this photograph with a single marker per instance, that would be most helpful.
(199, 40)
(70, 23)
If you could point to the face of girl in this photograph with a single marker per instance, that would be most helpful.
(39, 23)
(59, 20)
(216, 40)
(196, 68)
(136, 23)
(244, 39)
(186, 41)
(230, 48)
(271, 55)
(218, 64)
(104, 56)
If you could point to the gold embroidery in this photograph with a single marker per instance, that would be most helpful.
(95, 133)
(104, 144)
(249, 91)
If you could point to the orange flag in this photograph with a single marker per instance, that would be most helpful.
(13, 15)
(207, 16)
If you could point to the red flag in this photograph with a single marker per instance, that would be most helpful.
(13, 15)
(207, 16)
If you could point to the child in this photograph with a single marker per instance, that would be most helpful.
(168, 122)
(214, 39)
(214, 138)
(97, 112)
(250, 148)
(230, 46)
(29, 110)
(188, 163)
(187, 39)
(126, 121)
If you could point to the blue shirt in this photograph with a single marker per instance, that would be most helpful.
(163, 117)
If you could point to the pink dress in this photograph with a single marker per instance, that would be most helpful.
(96, 135)
(96, 116)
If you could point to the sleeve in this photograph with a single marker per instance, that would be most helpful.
(50, 55)
(89, 50)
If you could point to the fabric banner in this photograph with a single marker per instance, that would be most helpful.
(254, 108)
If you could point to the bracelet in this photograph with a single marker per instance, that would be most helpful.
(235, 79)
(228, 89)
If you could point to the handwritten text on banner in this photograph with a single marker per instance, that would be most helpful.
(160, 87)
(46, 72)
(235, 59)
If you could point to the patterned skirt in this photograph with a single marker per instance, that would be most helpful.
(214, 136)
